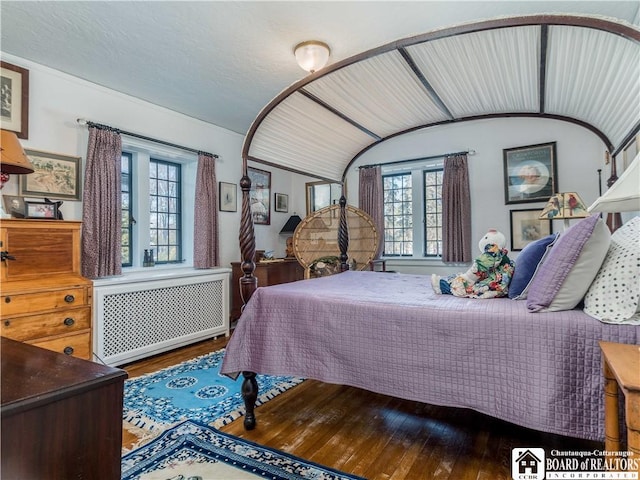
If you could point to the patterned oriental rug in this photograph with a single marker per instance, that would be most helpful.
(192, 390)
(194, 451)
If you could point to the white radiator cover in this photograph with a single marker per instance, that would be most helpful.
(149, 312)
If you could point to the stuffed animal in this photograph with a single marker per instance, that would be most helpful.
(489, 275)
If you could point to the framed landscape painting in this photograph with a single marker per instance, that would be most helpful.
(54, 176)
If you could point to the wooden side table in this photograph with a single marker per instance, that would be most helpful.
(621, 364)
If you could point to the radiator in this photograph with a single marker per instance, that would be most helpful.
(142, 314)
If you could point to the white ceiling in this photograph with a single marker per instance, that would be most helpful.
(222, 62)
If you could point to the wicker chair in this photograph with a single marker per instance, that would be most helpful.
(315, 241)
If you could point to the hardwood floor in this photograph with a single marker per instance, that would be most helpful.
(375, 436)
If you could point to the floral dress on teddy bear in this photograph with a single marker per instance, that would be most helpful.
(489, 275)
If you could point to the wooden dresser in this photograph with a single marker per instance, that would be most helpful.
(282, 270)
(45, 301)
(61, 416)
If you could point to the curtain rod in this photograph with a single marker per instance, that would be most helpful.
(396, 162)
(82, 121)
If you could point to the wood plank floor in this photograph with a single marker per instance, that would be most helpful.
(375, 436)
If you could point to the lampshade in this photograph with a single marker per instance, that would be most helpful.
(565, 206)
(291, 224)
(624, 194)
(12, 156)
(312, 55)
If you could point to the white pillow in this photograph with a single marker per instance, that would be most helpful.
(614, 295)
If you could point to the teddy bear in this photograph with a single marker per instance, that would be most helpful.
(489, 275)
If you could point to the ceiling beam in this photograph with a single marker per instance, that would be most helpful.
(425, 83)
(542, 90)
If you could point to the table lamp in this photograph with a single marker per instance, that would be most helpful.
(564, 206)
(12, 157)
(288, 229)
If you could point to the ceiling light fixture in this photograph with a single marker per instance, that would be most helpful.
(312, 55)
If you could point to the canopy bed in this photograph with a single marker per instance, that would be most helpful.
(390, 333)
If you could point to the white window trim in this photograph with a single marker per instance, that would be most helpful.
(417, 181)
(142, 151)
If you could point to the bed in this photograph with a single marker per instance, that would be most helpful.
(390, 333)
(393, 335)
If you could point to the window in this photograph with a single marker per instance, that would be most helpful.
(413, 211)
(158, 195)
(433, 212)
(127, 218)
(398, 214)
(165, 211)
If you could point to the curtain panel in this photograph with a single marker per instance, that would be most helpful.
(370, 200)
(205, 229)
(101, 206)
(456, 210)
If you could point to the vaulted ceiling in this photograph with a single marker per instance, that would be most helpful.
(584, 70)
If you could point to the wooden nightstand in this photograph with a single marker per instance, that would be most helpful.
(622, 369)
(282, 270)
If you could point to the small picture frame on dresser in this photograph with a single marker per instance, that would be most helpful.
(41, 210)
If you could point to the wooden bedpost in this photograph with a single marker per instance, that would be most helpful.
(248, 285)
(343, 235)
(614, 220)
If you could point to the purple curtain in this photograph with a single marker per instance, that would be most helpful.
(205, 229)
(101, 205)
(370, 200)
(456, 210)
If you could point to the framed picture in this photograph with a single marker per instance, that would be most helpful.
(526, 226)
(530, 173)
(281, 202)
(14, 110)
(228, 197)
(48, 211)
(260, 196)
(13, 205)
(55, 176)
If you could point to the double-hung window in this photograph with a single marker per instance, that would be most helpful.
(157, 192)
(413, 211)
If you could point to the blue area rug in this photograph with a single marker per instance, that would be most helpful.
(193, 390)
(198, 451)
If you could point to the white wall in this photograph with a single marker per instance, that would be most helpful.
(56, 100)
(580, 154)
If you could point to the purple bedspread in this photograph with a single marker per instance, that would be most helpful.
(389, 333)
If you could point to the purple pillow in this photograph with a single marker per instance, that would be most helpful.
(527, 264)
(572, 264)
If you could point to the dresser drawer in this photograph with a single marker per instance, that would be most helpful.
(78, 345)
(59, 322)
(42, 301)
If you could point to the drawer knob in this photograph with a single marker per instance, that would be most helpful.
(69, 298)
(69, 321)
(7, 323)
(68, 350)
(7, 299)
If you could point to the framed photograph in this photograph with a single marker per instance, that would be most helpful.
(55, 176)
(13, 205)
(14, 110)
(228, 197)
(530, 173)
(260, 196)
(526, 226)
(281, 202)
(47, 211)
